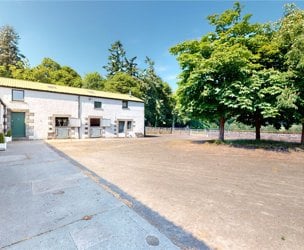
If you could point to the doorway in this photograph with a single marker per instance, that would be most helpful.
(124, 127)
(18, 124)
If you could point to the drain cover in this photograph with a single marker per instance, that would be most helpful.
(152, 240)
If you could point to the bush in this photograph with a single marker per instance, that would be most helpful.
(9, 133)
(2, 138)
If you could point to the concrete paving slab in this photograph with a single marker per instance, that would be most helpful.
(26, 172)
(12, 158)
(56, 183)
(46, 202)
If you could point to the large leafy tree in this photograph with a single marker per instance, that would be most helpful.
(48, 71)
(290, 38)
(261, 99)
(264, 100)
(215, 68)
(124, 83)
(9, 51)
(236, 71)
(93, 81)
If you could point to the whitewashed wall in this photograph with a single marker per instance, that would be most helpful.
(43, 105)
(112, 109)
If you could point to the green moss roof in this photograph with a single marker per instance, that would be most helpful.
(22, 84)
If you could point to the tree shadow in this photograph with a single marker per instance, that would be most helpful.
(268, 145)
(150, 136)
(176, 234)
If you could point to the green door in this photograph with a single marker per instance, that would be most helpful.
(18, 124)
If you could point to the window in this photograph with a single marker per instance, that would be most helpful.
(129, 125)
(121, 126)
(124, 104)
(95, 122)
(61, 121)
(17, 95)
(97, 105)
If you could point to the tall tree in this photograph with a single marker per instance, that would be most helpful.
(290, 38)
(116, 59)
(157, 96)
(215, 68)
(9, 51)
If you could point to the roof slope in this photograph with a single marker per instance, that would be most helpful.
(22, 84)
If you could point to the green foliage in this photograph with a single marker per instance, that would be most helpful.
(48, 71)
(125, 84)
(93, 81)
(118, 62)
(252, 72)
(290, 39)
(8, 133)
(2, 138)
(116, 59)
(9, 51)
(215, 68)
(157, 96)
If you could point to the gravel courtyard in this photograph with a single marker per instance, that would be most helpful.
(228, 198)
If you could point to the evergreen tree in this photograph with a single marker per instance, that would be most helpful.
(116, 59)
(9, 51)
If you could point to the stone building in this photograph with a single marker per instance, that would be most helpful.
(35, 110)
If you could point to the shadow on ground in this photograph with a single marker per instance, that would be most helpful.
(149, 136)
(176, 234)
(268, 145)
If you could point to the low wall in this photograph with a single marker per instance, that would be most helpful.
(213, 134)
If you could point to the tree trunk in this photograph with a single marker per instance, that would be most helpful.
(258, 128)
(302, 137)
(222, 129)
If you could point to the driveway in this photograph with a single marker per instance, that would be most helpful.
(229, 198)
(47, 202)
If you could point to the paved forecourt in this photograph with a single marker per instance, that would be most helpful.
(47, 202)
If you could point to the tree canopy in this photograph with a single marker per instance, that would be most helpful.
(240, 71)
(93, 81)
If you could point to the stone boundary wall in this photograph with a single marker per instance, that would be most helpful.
(213, 134)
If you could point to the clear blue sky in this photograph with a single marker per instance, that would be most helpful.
(78, 34)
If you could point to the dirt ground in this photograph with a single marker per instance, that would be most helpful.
(228, 198)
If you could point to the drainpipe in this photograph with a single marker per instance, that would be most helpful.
(5, 119)
(79, 117)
